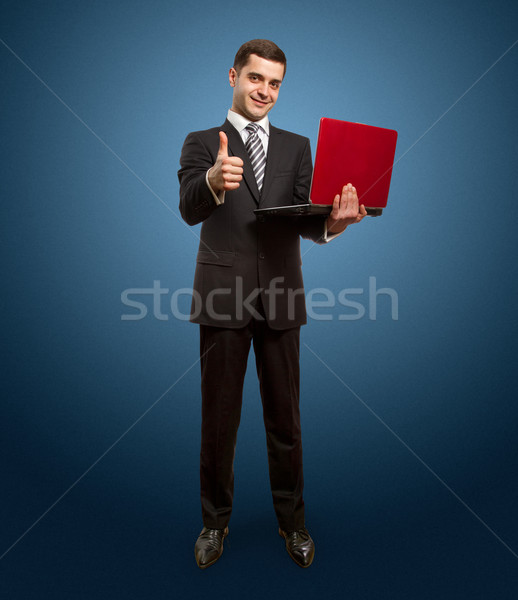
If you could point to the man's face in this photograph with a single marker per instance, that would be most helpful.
(256, 87)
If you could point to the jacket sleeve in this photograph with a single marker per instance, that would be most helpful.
(310, 227)
(196, 200)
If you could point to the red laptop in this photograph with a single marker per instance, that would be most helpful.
(348, 153)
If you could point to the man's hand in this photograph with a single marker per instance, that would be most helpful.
(345, 210)
(227, 171)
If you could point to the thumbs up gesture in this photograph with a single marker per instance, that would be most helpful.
(227, 171)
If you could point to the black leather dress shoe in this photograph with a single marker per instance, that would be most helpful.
(209, 546)
(300, 546)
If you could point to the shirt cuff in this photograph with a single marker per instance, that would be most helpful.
(330, 236)
(218, 198)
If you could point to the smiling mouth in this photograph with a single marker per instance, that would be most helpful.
(260, 102)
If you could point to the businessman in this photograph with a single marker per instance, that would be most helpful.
(248, 290)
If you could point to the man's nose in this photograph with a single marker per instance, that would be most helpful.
(263, 89)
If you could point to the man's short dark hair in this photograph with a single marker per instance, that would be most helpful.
(263, 48)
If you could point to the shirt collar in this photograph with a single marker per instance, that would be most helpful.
(240, 122)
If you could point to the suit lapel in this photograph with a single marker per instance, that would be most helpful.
(237, 148)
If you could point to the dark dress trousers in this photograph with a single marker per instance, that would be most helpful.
(248, 289)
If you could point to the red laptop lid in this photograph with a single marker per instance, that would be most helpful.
(353, 153)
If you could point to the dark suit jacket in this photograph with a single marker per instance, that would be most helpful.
(240, 253)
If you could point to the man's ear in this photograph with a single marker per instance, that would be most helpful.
(232, 76)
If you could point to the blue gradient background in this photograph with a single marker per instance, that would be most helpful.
(78, 228)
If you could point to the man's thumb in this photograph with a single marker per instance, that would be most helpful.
(223, 145)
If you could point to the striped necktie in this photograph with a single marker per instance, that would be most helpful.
(255, 150)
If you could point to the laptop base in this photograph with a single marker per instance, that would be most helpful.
(296, 210)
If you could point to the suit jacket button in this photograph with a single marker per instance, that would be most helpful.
(261, 254)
